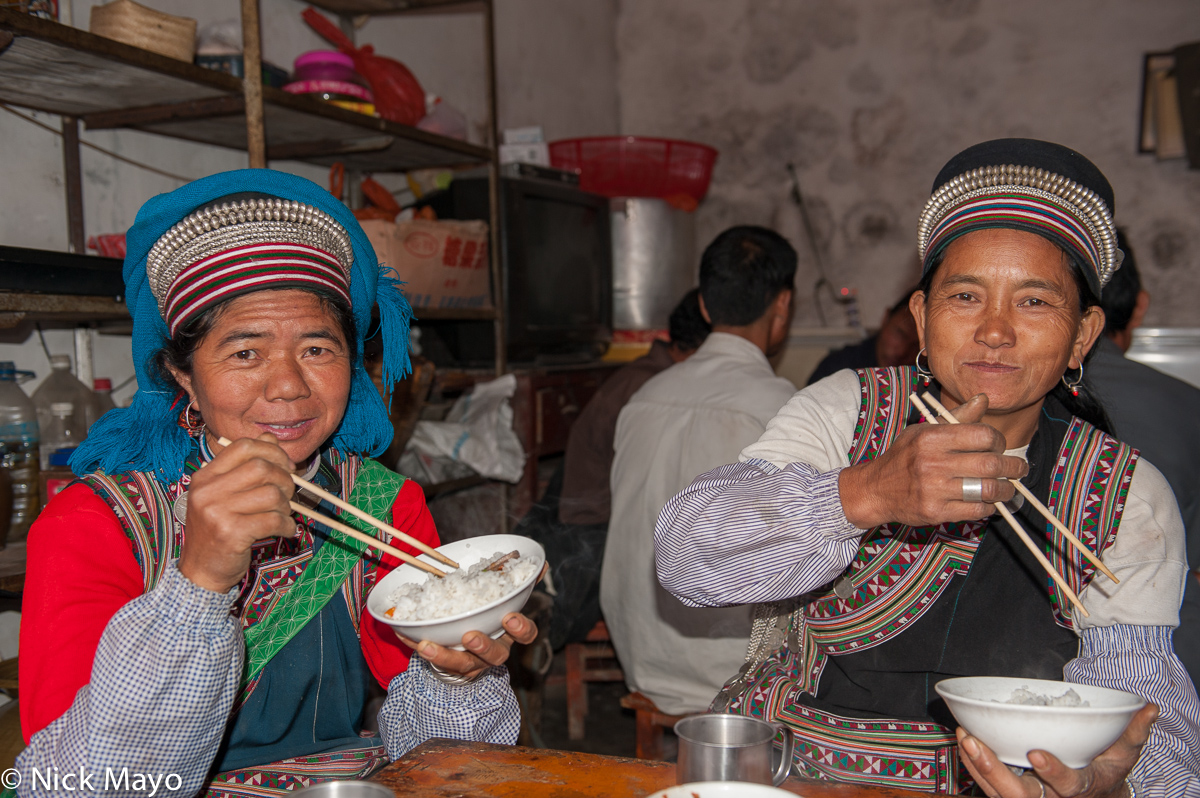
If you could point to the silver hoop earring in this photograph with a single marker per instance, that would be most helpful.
(923, 372)
(1073, 385)
(192, 420)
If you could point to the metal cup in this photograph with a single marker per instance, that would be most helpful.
(346, 789)
(731, 748)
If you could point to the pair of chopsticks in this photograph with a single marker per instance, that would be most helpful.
(361, 536)
(1037, 504)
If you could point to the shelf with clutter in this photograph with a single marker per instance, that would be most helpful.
(105, 84)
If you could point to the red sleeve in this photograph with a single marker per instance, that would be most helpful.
(386, 655)
(80, 571)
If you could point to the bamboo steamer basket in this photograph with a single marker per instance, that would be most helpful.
(136, 25)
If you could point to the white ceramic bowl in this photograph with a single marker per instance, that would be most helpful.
(449, 631)
(1073, 734)
(722, 789)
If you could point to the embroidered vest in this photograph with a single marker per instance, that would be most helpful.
(144, 506)
(898, 574)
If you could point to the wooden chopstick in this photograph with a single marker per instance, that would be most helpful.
(370, 519)
(299, 508)
(1016, 526)
(1036, 502)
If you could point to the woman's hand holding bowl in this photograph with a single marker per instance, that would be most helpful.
(1104, 777)
(239, 497)
(919, 480)
(481, 652)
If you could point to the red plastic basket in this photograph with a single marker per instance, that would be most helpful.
(635, 166)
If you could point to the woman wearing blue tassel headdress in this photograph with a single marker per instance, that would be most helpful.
(182, 622)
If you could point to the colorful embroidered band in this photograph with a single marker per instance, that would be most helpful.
(231, 248)
(244, 269)
(1023, 198)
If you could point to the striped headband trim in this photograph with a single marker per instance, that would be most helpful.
(240, 270)
(222, 226)
(1014, 209)
(1023, 197)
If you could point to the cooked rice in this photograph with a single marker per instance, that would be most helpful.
(1023, 695)
(460, 591)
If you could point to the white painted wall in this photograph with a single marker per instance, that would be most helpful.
(869, 98)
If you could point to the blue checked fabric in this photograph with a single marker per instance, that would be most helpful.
(163, 684)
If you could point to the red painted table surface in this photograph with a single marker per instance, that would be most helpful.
(453, 768)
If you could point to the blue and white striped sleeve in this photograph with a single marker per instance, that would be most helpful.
(754, 532)
(419, 707)
(1141, 660)
(163, 682)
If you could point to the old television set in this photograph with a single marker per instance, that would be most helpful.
(556, 265)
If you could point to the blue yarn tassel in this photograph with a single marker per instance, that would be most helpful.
(395, 315)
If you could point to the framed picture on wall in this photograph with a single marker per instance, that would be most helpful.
(1161, 130)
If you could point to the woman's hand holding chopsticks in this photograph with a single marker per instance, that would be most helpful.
(239, 497)
(919, 480)
(382, 526)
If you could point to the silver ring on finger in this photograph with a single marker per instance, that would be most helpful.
(972, 488)
(1042, 785)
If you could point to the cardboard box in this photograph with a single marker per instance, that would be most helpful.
(444, 264)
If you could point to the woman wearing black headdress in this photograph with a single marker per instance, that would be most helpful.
(876, 529)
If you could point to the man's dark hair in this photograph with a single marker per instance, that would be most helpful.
(742, 272)
(687, 325)
(902, 304)
(1119, 297)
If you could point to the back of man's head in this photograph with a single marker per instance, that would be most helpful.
(1119, 298)
(742, 271)
(687, 326)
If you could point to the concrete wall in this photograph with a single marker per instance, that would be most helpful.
(544, 49)
(868, 98)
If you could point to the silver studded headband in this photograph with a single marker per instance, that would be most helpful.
(221, 227)
(1023, 197)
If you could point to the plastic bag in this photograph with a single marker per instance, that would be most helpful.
(444, 119)
(398, 95)
(477, 433)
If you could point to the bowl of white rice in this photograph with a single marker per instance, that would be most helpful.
(1013, 716)
(421, 606)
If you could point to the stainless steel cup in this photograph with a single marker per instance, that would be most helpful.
(731, 748)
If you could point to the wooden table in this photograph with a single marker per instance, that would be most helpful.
(454, 769)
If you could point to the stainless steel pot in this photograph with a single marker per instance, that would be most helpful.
(654, 261)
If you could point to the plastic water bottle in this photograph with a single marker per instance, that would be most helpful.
(59, 433)
(19, 450)
(101, 400)
(61, 386)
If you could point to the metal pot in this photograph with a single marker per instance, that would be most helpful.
(654, 261)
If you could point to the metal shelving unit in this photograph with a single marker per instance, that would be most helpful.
(47, 66)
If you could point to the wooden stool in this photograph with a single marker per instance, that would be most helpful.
(650, 724)
(598, 646)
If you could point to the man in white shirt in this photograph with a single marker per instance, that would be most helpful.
(693, 417)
